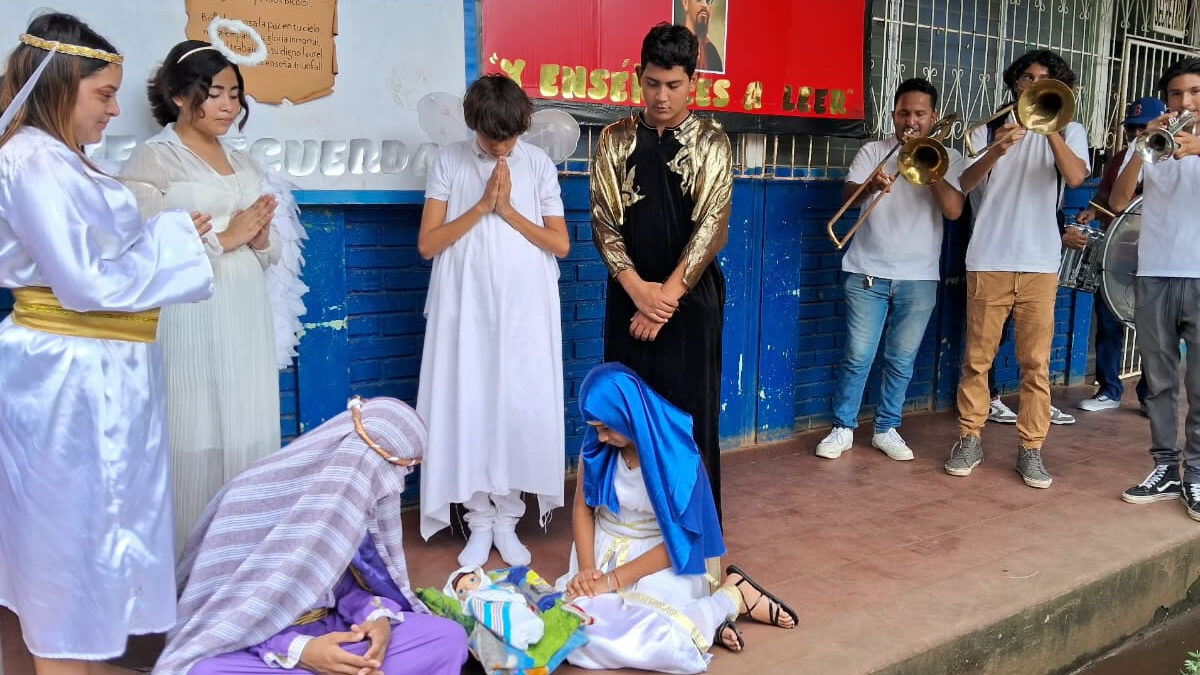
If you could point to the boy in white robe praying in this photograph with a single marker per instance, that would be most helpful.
(491, 386)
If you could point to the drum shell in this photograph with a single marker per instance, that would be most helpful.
(1080, 268)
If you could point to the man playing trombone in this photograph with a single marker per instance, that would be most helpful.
(892, 266)
(1167, 288)
(1013, 256)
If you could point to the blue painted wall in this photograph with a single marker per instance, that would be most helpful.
(783, 329)
(784, 321)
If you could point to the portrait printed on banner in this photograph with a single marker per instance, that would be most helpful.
(708, 20)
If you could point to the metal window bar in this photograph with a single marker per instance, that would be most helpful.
(963, 46)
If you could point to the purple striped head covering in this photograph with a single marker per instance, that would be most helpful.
(280, 535)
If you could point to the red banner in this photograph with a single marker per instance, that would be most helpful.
(766, 65)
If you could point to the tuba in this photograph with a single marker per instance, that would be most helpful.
(1046, 107)
(922, 161)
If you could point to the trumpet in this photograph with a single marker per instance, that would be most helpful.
(922, 161)
(1157, 145)
(1046, 107)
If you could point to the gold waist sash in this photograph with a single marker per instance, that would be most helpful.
(311, 616)
(36, 308)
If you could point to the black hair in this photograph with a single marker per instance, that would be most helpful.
(669, 45)
(497, 108)
(51, 104)
(1181, 67)
(918, 84)
(1059, 68)
(190, 79)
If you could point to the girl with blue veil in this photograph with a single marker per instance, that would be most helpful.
(644, 521)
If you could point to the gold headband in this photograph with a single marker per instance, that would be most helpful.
(356, 413)
(73, 50)
(197, 49)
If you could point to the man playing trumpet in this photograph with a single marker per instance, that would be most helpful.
(891, 271)
(1012, 263)
(1167, 288)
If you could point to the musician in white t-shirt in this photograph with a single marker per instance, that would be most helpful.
(1012, 265)
(1167, 292)
(891, 271)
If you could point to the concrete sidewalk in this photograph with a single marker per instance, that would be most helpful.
(898, 567)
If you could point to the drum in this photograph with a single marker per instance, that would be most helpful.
(1118, 262)
(1080, 267)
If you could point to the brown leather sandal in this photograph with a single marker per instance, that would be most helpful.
(773, 609)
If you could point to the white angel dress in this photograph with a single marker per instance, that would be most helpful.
(666, 621)
(221, 354)
(85, 496)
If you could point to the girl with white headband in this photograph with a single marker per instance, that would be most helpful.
(85, 546)
(221, 354)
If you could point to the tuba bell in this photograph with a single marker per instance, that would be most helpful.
(1045, 107)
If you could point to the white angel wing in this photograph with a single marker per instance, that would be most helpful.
(284, 287)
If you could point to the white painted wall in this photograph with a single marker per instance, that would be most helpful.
(390, 53)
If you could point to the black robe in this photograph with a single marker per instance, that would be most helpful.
(659, 202)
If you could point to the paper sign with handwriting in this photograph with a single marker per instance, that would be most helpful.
(299, 34)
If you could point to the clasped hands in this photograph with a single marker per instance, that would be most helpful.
(655, 303)
(324, 655)
(590, 583)
(251, 226)
(497, 196)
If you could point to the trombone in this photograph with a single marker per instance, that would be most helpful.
(1160, 144)
(922, 161)
(1046, 107)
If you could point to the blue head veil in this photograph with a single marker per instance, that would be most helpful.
(675, 478)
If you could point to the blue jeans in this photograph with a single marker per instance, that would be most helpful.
(904, 308)
(1110, 339)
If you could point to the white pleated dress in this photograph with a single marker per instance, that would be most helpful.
(491, 386)
(222, 379)
(665, 621)
(85, 496)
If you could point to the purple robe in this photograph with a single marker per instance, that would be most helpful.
(421, 644)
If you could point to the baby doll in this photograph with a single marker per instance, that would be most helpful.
(499, 607)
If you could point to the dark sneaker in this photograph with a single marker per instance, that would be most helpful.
(1191, 498)
(966, 454)
(1029, 465)
(1162, 483)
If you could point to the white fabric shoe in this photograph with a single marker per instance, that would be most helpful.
(477, 550)
(1098, 403)
(838, 441)
(1001, 413)
(892, 445)
(1059, 417)
(512, 551)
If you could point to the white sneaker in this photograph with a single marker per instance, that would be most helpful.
(838, 441)
(892, 445)
(1001, 413)
(477, 550)
(1098, 403)
(512, 551)
(1059, 417)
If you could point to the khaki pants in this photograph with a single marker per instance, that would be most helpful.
(991, 297)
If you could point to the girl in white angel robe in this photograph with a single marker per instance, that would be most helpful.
(222, 355)
(85, 496)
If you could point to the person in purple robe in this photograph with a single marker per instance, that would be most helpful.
(298, 562)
